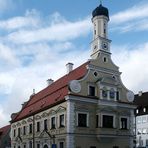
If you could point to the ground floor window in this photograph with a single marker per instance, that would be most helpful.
(123, 123)
(82, 119)
(45, 146)
(61, 145)
(107, 121)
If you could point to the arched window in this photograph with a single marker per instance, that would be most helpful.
(104, 92)
(112, 93)
(45, 146)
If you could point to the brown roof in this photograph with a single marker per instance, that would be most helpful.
(4, 130)
(141, 100)
(52, 95)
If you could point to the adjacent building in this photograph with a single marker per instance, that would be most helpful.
(141, 112)
(5, 141)
(89, 107)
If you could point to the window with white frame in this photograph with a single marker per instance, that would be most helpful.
(53, 122)
(38, 145)
(19, 131)
(144, 131)
(108, 121)
(61, 144)
(91, 90)
(14, 132)
(82, 119)
(138, 119)
(104, 93)
(123, 123)
(38, 126)
(112, 94)
(61, 121)
(97, 121)
(139, 131)
(24, 130)
(45, 125)
(144, 120)
(30, 128)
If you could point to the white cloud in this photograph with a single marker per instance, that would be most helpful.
(58, 32)
(133, 62)
(6, 5)
(132, 19)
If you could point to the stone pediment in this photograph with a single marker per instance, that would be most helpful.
(109, 80)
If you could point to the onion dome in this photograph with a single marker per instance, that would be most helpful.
(100, 11)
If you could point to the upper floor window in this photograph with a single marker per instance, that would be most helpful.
(123, 123)
(61, 120)
(144, 119)
(24, 130)
(104, 92)
(82, 119)
(112, 93)
(14, 132)
(53, 123)
(108, 121)
(97, 120)
(91, 90)
(19, 131)
(45, 125)
(38, 126)
(30, 128)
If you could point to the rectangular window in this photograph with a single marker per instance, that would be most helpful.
(97, 120)
(117, 96)
(91, 90)
(123, 123)
(82, 119)
(62, 120)
(14, 132)
(45, 125)
(92, 146)
(19, 131)
(24, 130)
(144, 119)
(24, 145)
(52, 122)
(30, 128)
(38, 126)
(108, 121)
(146, 142)
(61, 145)
(30, 144)
(38, 145)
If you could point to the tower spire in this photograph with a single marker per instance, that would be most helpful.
(100, 2)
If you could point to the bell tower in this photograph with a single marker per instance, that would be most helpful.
(100, 43)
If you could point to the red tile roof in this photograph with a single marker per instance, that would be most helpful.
(52, 95)
(4, 130)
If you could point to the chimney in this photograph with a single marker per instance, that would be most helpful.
(49, 82)
(69, 67)
(140, 93)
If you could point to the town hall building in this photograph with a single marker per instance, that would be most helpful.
(89, 107)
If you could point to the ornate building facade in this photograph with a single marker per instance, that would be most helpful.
(87, 108)
(141, 113)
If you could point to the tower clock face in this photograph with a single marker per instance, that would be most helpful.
(104, 46)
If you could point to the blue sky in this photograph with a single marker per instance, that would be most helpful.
(38, 38)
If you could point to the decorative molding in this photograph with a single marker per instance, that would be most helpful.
(24, 122)
(44, 115)
(60, 109)
(29, 120)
